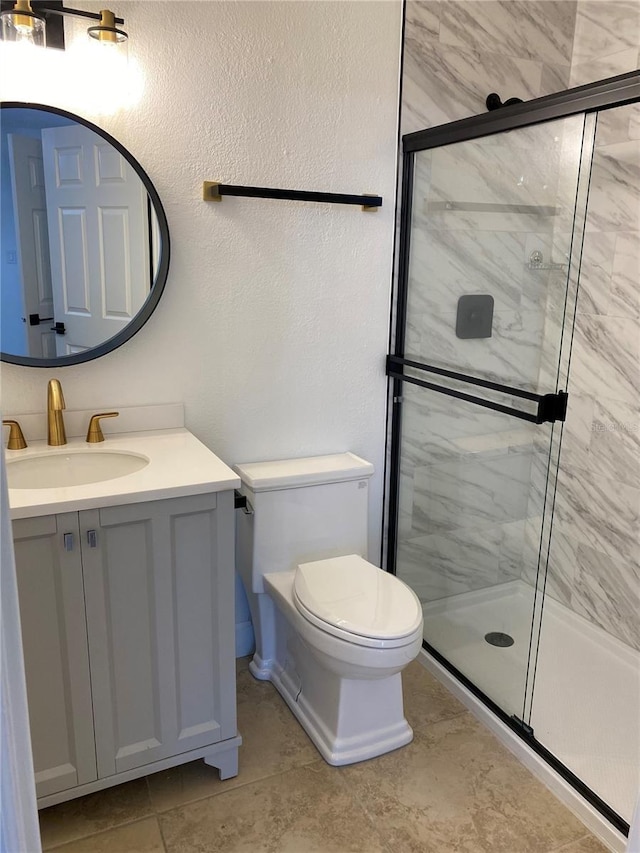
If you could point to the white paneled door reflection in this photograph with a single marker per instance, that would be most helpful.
(30, 214)
(97, 210)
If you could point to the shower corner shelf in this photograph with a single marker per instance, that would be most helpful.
(537, 262)
(486, 207)
(551, 266)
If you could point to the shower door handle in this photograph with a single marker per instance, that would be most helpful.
(550, 407)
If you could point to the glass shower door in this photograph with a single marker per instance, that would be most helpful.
(586, 698)
(491, 244)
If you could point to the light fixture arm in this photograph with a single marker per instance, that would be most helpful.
(76, 13)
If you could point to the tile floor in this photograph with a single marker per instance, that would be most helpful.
(454, 788)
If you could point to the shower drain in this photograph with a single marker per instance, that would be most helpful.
(497, 638)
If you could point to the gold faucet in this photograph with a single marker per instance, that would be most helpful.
(55, 423)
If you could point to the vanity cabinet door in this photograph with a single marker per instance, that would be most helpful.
(54, 638)
(158, 583)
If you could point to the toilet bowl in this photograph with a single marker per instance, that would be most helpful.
(378, 653)
(333, 632)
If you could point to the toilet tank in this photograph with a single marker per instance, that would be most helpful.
(303, 510)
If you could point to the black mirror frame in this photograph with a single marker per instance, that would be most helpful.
(163, 265)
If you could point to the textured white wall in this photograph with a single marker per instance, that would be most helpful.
(273, 326)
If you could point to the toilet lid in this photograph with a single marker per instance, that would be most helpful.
(355, 596)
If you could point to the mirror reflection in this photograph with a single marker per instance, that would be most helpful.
(81, 241)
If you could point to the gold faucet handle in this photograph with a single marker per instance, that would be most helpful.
(16, 438)
(94, 433)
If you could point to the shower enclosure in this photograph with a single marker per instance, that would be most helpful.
(514, 501)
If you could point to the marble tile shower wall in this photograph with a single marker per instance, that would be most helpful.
(594, 561)
(457, 51)
(563, 249)
(607, 40)
(473, 482)
(594, 564)
(466, 471)
(464, 496)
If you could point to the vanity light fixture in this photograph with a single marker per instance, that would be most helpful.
(23, 24)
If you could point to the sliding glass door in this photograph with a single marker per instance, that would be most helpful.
(491, 248)
(586, 698)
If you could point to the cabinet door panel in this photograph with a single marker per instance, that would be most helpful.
(154, 629)
(55, 652)
(203, 587)
(193, 537)
(119, 591)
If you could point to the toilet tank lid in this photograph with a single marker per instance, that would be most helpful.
(308, 471)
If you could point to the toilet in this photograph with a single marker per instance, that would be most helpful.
(333, 632)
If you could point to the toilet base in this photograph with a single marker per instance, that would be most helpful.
(348, 720)
(261, 670)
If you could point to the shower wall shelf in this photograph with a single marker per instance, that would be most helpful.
(537, 262)
(214, 191)
(552, 266)
(485, 207)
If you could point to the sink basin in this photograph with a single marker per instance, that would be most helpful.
(57, 470)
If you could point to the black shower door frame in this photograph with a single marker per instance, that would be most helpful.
(606, 94)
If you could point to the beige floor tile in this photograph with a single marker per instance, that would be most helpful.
(272, 741)
(426, 701)
(455, 788)
(242, 664)
(306, 810)
(589, 844)
(275, 740)
(94, 813)
(185, 784)
(140, 837)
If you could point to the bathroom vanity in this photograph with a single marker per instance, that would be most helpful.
(126, 589)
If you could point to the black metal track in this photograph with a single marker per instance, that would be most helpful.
(614, 92)
(296, 195)
(396, 391)
(392, 415)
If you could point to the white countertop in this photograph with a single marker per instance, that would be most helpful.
(179, 465)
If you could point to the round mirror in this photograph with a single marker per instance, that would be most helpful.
(85, 240)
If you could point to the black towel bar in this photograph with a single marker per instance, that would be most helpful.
(213, 191)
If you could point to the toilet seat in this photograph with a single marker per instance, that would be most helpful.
(357, 602)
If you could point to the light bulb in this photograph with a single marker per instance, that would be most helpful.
(22, 25)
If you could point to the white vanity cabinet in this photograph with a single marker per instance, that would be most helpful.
(127, 622)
